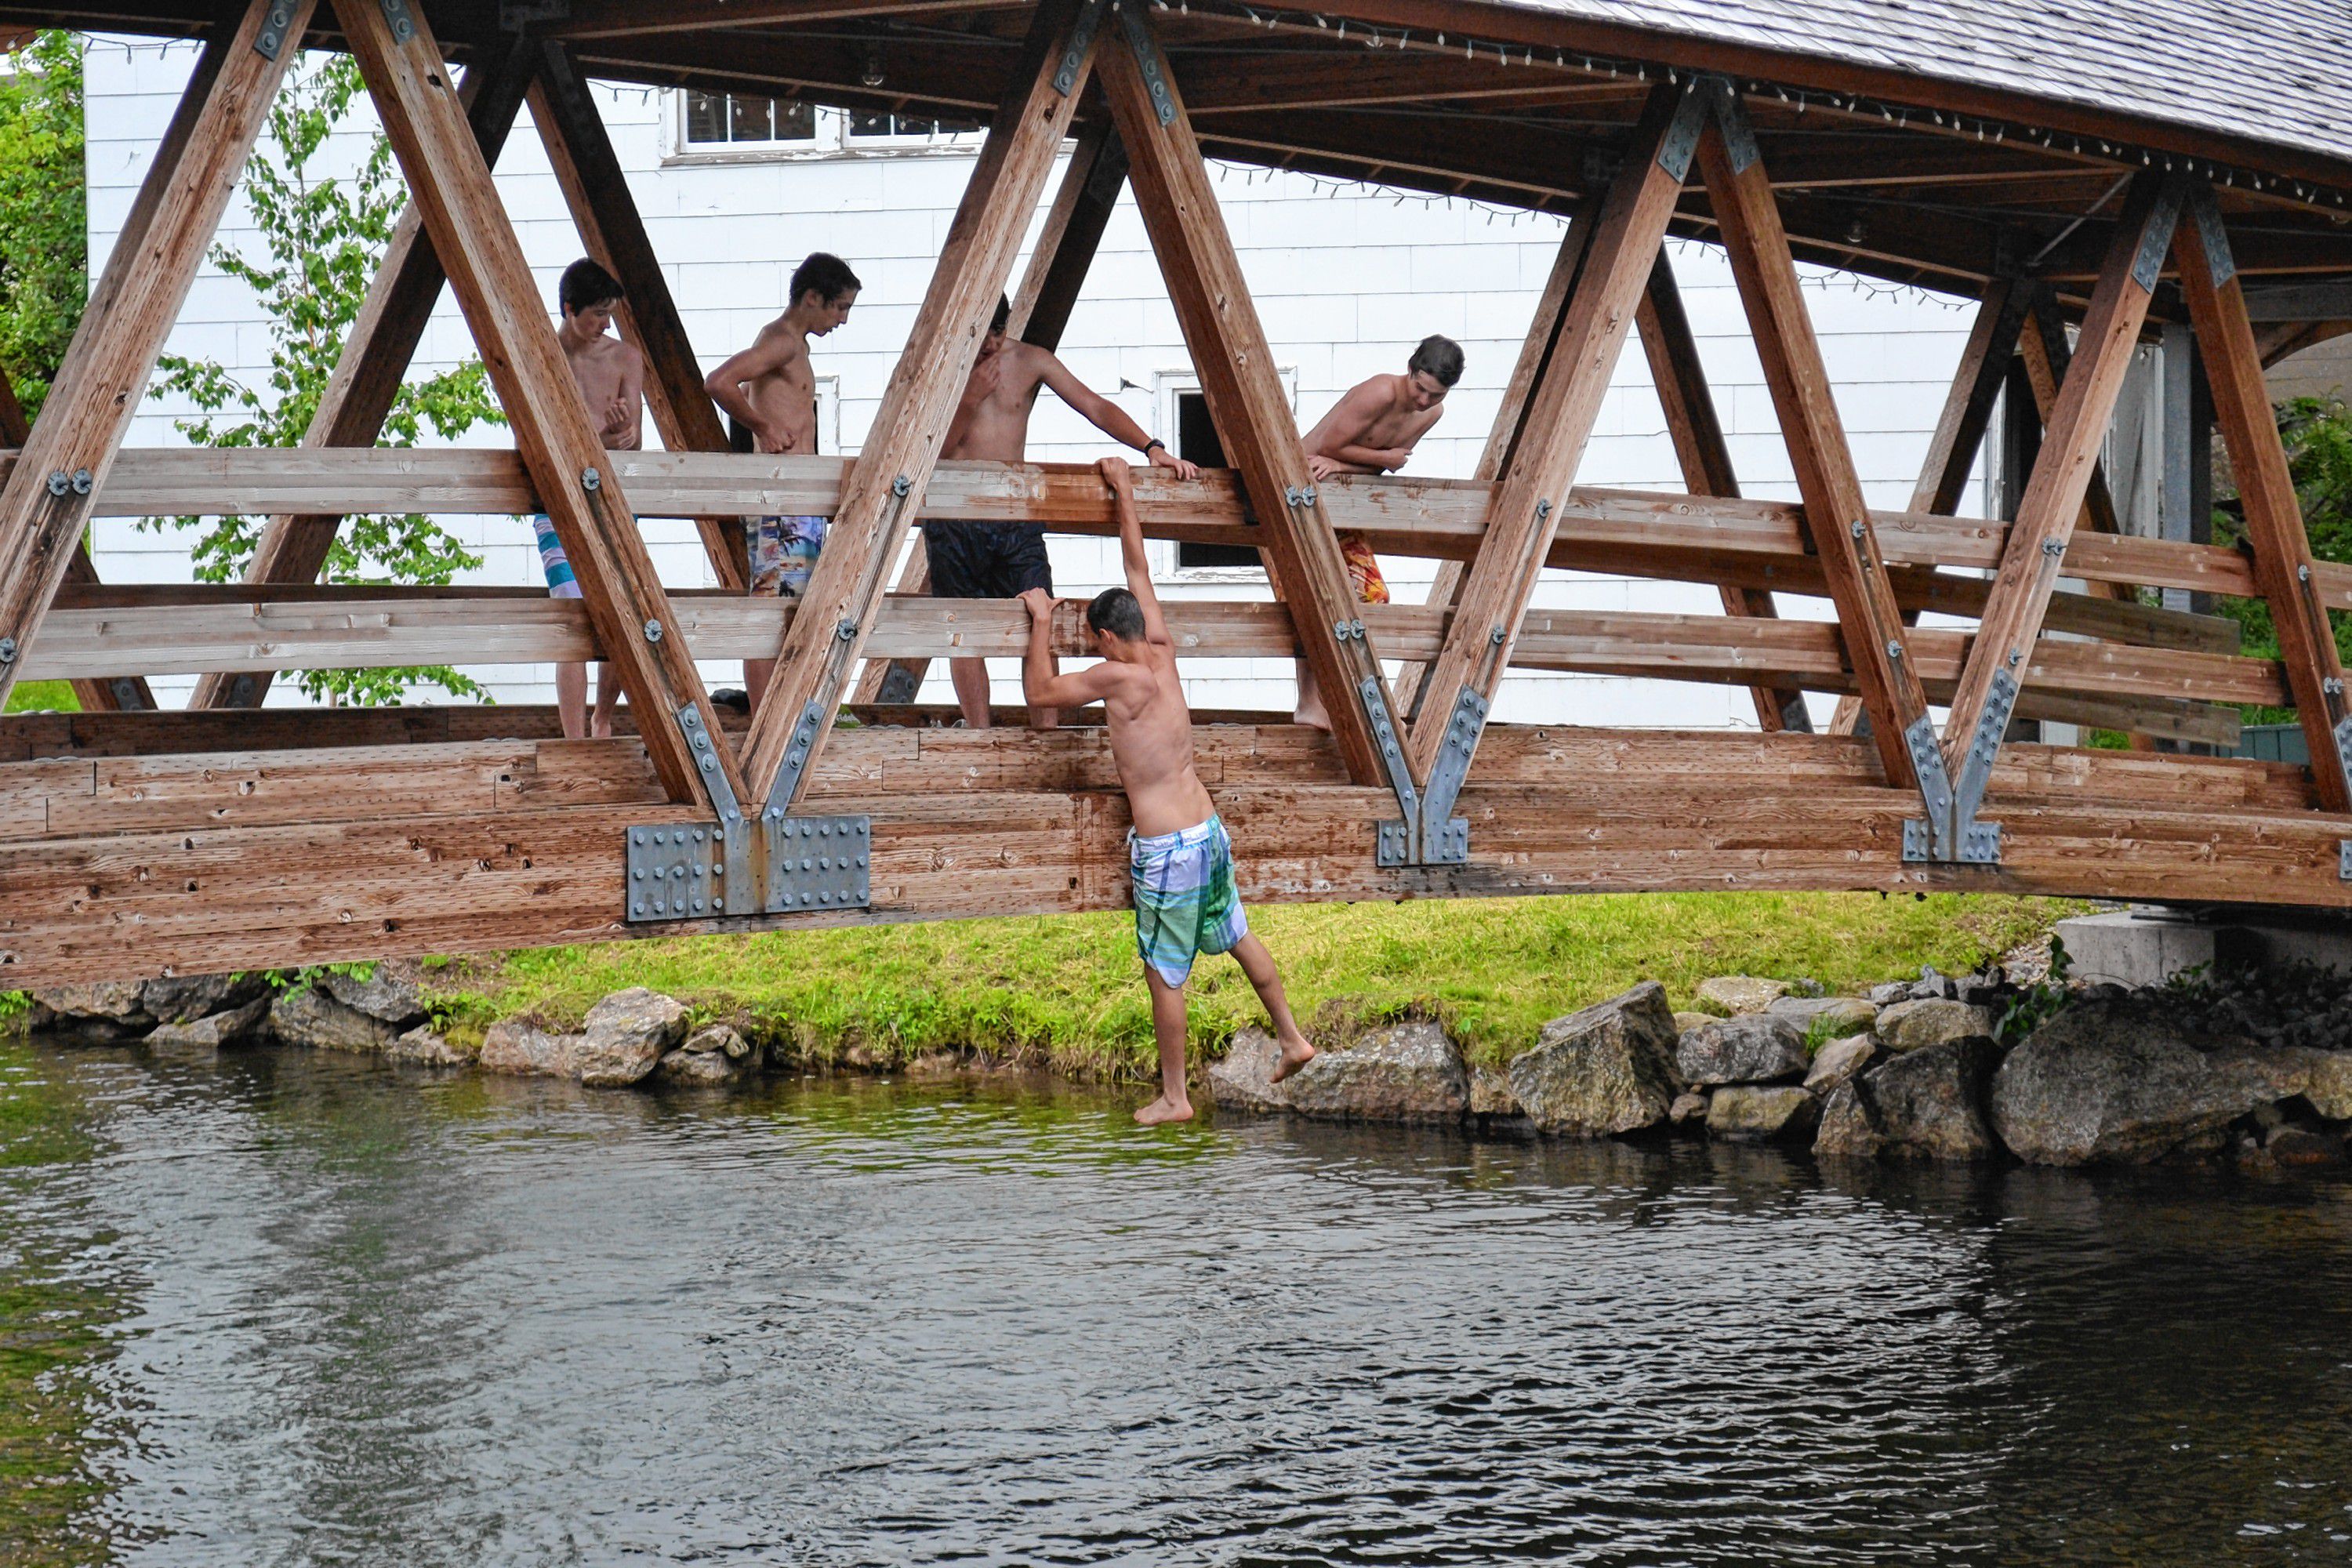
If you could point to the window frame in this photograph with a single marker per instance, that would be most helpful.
(833, 139)
(1168, 387)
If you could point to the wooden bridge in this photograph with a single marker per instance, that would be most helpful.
(2089, 188)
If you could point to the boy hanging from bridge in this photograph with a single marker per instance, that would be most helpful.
(1180, 859)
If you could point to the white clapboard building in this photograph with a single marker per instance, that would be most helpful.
(1347, 279)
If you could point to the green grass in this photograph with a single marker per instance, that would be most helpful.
(1064, 990)
(31, 696)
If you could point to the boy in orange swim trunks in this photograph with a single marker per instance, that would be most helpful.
(1372, 430)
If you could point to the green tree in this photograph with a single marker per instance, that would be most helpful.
(324, 239)
(2318, 435)
(44, 227)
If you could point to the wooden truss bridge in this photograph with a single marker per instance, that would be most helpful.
(2123, 191)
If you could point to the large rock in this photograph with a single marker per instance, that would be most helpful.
(305, 1015)
(1929, 1104)
(212, 1031)
(1729, 995)
(625, 1036)
(1846, 1131)
(1757, 1048)
(1408, 1071)
(1490, 1093)
(1826, 1017)
(720, 1039)
(384, 994)
(425, 1047)
(2330, 1090)
(1242, 1079)
(183, 998)
(521, 1046)
(703, 1070)
(1910, 1025)
(1761, 1113)
(1607, 1070)
(1839, 1060)
(2116, 1080)
(107, 1010)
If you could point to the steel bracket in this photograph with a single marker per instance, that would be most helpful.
(2344, 861)
(2156, 242)
(1951, 832)
(1082, 38)
(1148, 60)
(1446, 838)
(272, 36)
(514, 16)
(1681, 143)
(2215, 238)
(396, 17)
(1731, 118)
(1395, 843)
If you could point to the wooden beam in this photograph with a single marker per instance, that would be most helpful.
(1245, 399)
(1705, 457)
(2032, 557)
(1958, 437)
(1852, 562)
(377, 352)
(596, 188)
(628, 18)
(1511, 412)
(2047, 356)
(450, 182)
(885, 491)
(46, 501)
(2274, 523)
(1041, 311)
(1525, 513)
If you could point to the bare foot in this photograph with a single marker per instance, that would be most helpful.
(1295, 1054)
(1163, 1111)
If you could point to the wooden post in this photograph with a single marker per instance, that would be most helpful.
(2054, 497)
(1835, 511)
(555, 432)
(884, 491)
(1510, 415)
(1245, 399)
(614, 232)
(1705, 457)
(1041, 311)
(2047, 358)
(1523, 514)
(2274, 523)
(48, 497)
(376, 355)
(1958, 438)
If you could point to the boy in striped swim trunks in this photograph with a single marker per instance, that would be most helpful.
(1180, 859)
(611, 377)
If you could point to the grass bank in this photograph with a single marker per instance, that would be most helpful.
(1064, 989)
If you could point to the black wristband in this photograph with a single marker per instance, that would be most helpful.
(1155, 441)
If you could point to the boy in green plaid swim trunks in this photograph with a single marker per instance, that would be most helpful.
(1180, 861)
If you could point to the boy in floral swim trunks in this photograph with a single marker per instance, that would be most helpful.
(1372, 430)
(611, 377)
(770, 391)
(1180, 862)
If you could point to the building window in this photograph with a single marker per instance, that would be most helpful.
(736, 124)
(1196, 441)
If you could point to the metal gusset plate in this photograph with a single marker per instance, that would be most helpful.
(820, 863)
(676, 873)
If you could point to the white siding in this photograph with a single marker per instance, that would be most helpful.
(1346, 279)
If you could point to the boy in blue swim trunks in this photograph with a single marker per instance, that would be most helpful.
(1180, 862)
(611, 377)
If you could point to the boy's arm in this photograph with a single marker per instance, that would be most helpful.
(725, 385)
(1131, 556)
(1040, 687)
(631, 433)
(1109, 418)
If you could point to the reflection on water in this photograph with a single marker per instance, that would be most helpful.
(299, 1308)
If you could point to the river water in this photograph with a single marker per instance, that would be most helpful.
(296, 1309)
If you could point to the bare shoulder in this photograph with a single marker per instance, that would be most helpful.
(1030, 364)
(619, 353)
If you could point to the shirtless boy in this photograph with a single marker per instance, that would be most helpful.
(1180, 859)
(611, 377)
(1372, 430)
(1003, 560)
(770, 389)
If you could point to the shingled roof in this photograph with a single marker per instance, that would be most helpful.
(2272, 71)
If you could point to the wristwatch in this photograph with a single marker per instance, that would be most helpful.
(1155, 441)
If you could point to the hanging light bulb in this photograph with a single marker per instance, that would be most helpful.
(872, 75)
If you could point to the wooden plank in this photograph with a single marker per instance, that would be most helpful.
(98, 388)
(1680, 378)
(1958, 437)
(885, 493)
(596, 188)
(2031, 556)
(377, 352)
(1524, 513)
(628, 18)
(2047, 356)
(2274, 524)
(450, 182)
(1852, 563)
(1041, 304)
(1246, 400)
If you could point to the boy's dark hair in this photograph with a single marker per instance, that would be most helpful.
(828, 274)
(585, 284)
(1441, 357)
(1118, 611)
(1004, 314)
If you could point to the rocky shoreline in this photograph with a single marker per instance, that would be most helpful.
(2004, 1065)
